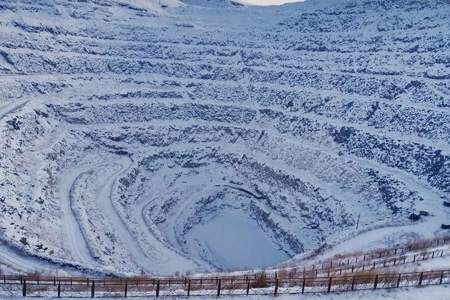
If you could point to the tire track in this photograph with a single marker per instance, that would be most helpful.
(11, 108)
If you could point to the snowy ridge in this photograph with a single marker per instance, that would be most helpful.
(142, 139)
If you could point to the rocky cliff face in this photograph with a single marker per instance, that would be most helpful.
(134, 138)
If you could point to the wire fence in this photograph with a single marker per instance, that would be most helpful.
(377, 257)
(352, 262)
(133, 287)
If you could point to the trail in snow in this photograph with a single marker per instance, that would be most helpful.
(141, 257)
(75, 239)
(21, 262)
(15, 259)
(11, 108)
(106, 206)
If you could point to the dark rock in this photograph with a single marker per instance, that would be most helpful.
(424, 213)
(14, 123)
(343, 135)
(414, 217)
(121, 152)
(446, 203)
(237, 4)
(445, 226)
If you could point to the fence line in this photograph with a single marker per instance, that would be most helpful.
(345, 263)
(385, 263)
(377, 254)
(90, 288)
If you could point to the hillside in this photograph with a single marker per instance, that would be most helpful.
(205, 135)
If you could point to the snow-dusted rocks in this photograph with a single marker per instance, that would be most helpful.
(137, 138)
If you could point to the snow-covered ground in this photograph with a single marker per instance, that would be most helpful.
(167, 136)
(434, 292)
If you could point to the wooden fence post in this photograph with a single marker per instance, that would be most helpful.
(398, 279)
(303, 285)
(353, 283)
(157, 288)
(125, 293)
(93, 289)
(24, 288)
(275, 292)
(442, 277)
(329, 284)
(189, 288)
(375, 282)
(59, 289)
(248, 287)
(420, 278)
(218, 287)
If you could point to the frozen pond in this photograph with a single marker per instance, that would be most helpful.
(234, 240)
